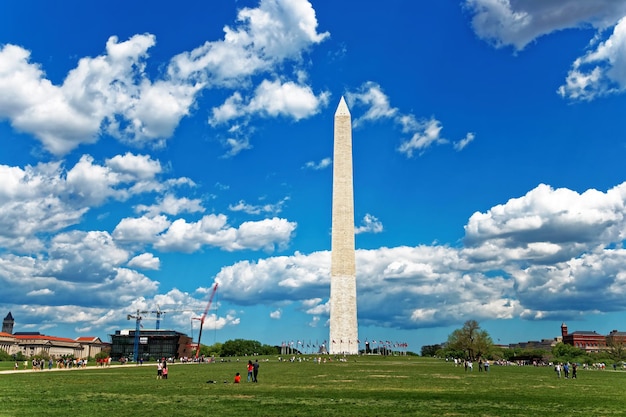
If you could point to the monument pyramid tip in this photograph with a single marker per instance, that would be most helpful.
(342, 108)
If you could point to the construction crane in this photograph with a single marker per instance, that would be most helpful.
(138, 319)
(158, 313)
(206, 310)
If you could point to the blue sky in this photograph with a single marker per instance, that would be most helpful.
(152, 149)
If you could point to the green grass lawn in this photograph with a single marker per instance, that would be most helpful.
(365, 386)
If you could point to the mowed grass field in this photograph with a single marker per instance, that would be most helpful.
(363, 386)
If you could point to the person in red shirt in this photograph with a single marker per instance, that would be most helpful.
(237, 378)
(250, 368)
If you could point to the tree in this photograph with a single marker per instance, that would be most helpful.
(617, 350)
(471, 340)
(430, 350)
(4, 356)
(241, 347)
(213, 350)
(567, 353)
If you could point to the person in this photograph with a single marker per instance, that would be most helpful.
(574, 369)
(255, 370)
(486, 365)
(557, 369)
(237, 378)
(250, 369)
(165, 371)
(159, 370)
(566, 370)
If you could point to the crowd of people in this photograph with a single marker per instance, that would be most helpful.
(39, 364)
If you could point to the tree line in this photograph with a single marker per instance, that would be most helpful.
(472, 342)
(238, 347)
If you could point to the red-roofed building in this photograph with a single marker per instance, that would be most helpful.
(589, 341)
(91, 345)
(34, 344)
(8, 343)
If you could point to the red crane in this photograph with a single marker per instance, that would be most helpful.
(206, 310)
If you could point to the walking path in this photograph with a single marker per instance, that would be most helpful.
(13, 371)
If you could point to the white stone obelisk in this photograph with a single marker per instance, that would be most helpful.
(343, 318)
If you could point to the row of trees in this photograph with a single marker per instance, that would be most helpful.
(472, 342)
(238, 347)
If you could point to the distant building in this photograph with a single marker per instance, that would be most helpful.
(589, 341)
(8, 343)
(36, 344)
(7, 324)
(153, 344)
(545, 344)
(619, 337)
(91, 345)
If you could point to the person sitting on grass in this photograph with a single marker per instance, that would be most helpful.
(237, 378)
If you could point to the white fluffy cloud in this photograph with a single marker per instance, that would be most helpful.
(170, 204)
(48, 198)
(145, 261)
(369, 224)
(324, 163)
(112, 93)
(601, 71)
(547, 225)
(424, 133)
(271, 99)
(538, 256)
(213, 230)
(542, 255)
(275, 31)
(519, 22)
(274, 208)
(371, 95)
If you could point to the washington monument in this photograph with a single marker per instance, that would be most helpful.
(343, 321)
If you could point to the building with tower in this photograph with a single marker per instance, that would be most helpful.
(31, 344)
(590, 341)
(7, 324)
(343, 311)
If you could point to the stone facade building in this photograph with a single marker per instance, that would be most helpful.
(32, 344)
